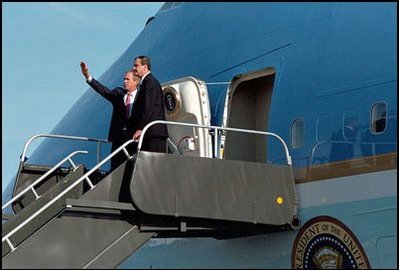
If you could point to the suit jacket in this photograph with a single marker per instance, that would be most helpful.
(148, 107)
(119, 119)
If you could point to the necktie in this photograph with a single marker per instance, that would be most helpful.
(127, 105)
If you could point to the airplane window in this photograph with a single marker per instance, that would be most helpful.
(297, 133)
(378, 117)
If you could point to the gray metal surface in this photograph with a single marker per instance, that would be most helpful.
(210, 188)
(120, 249)
(29, 174)
(32, 187)
(77, 239)
(108, 188)
(89, 232)
(36, 223)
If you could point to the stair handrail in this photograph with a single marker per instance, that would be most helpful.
(31, 186)
(58, 136)
(77, 182)
(216, 133)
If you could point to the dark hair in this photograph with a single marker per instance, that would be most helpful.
(145, 60)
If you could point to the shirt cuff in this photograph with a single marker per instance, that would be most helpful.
(89, 79)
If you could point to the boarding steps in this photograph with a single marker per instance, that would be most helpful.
(81, 230)
(151, 195)
(26, 205)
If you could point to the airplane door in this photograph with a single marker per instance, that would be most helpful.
(247, 107)
(186, 100)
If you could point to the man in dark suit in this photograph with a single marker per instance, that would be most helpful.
(122, 100)
(149, 107)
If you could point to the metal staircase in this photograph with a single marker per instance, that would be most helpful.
(149, 195)
(75, 229)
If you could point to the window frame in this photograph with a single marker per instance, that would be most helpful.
(373, 120)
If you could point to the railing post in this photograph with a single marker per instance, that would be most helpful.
(10, 245)
(89, 182)
(126, 152)
(216, 148)
(72, 163)
(35, 193)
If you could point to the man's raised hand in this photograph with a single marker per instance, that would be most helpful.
(85, 69)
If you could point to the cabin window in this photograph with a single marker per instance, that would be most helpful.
(378, 117)
(297, 133)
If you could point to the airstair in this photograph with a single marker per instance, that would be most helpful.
(62, 219)
(76, 224)
(82, 218)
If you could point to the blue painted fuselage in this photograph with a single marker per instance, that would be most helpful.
(333, 62)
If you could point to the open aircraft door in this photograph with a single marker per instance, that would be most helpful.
(186, 100)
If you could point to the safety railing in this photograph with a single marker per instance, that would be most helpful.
(56, 136)
(60, 195)
(123, 148)
(216, 135)
(31, 186)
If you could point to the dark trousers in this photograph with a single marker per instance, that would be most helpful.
(154, 144)
(121, 157)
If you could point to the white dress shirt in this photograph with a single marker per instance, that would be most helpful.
(132, 97)
(132, 94)
(142, 79)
